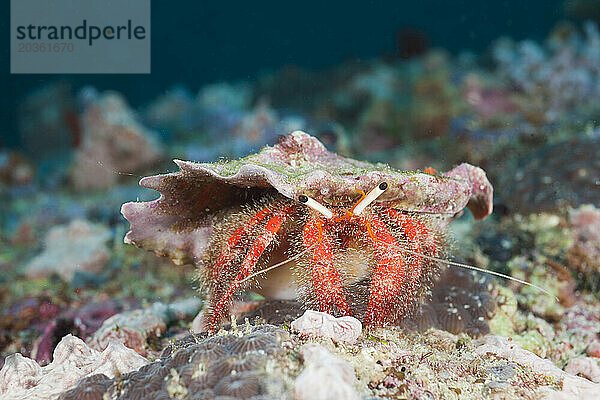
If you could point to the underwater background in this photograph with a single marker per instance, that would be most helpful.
(512, 87)
(198, 43)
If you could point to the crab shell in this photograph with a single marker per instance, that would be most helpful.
(180, 222)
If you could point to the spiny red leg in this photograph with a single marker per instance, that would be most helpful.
(326, 280)
(387, 286)
(227, 255)
(416, 232)
(418, 237)
(256, 250)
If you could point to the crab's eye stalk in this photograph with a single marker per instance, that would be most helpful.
(315, 206)
(370, 197)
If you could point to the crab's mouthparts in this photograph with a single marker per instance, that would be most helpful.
(362, 203)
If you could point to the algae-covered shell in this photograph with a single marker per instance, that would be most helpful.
(179, 223)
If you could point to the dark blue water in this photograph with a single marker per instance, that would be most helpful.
(197, 42)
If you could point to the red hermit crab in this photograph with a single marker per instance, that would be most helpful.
(347, 237)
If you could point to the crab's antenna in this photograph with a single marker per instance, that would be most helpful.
(114, 171)
(318, 207)
(370, 197)
(282, 263)
(474, 268)
(415, 253)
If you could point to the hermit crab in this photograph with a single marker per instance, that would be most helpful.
(296, 221)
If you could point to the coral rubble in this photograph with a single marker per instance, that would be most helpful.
(113, 142)
(240, 364)
(342, 329)
(138, 328)
(325, 376)
(79, 246)
(23, 378)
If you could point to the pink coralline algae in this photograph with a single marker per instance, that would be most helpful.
(113, 141)
(487, 102)
(342, 329)
(23, 378)
(585, 221)
(132, 328)
(81, 322)
(593, 349)
(584, 366)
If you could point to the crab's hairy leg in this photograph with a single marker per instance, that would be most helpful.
(414, 232)
(325, 279)
(232, 246)
(247, 266)
(415, 229)
(429, 245)
(389, 278)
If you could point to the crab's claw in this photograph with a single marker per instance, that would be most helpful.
(481, 200)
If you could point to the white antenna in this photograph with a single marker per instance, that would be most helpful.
(474, 268)
(370, 197)
(262, 271)
(114, 171)
(315, 206)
